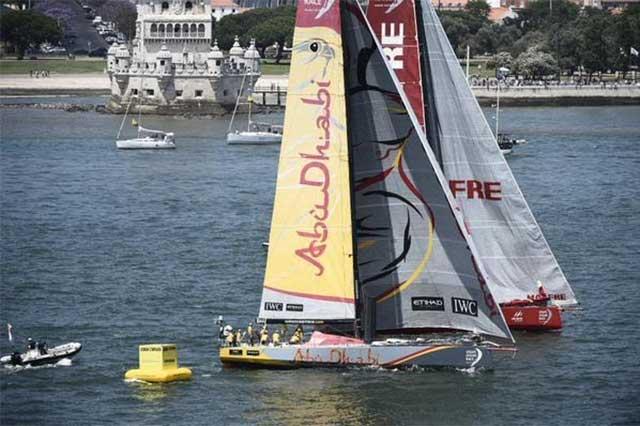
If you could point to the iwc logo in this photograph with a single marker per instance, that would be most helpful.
(464, 306)
(272, 306)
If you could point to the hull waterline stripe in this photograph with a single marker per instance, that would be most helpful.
(416, 355)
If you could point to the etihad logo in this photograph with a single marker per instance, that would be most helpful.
(464, 306)
(294, 307)
(427, 304)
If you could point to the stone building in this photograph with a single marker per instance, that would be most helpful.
(171, 66)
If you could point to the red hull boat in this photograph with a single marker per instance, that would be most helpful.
(533, 313)
(533, 317)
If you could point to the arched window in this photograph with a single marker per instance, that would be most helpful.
(161, 30)
(154, 30)
(169, 30)
(201, 30)
(194, 30)
(185, 30)
(188, 5)
(165, 5)
(176, 30)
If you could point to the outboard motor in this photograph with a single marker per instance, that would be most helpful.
(16, 359)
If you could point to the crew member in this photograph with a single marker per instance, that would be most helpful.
(250, 333)
(264, 336)
(230, 338)
(275, 338)
(239, 336)
(31, 344)
(542, 297)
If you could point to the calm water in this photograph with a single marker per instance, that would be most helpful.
(114, 249)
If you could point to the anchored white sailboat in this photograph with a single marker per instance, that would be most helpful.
(522, 271)
(146, 138)
(365, 234)
(257, 133)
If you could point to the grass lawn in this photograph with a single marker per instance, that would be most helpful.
(275, 69)
(58, 66)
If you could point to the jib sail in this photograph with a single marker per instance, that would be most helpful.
(510, 242)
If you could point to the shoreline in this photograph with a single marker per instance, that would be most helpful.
(97, 84)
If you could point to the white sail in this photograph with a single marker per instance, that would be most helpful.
(509, 240)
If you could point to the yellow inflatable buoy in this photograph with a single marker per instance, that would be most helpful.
(158, 363)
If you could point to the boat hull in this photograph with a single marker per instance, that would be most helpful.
(145, 144)
(385, 356)
(253, 138)
(52, 356)
(533, 318)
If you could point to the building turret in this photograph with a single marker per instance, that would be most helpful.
(236, 55)
(252, 57)
(111, 57)
(123, 59)
(164, 60)
(215, 58)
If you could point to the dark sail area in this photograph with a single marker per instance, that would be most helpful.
(412, 257)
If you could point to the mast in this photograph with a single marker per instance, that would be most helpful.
(250, 99)
(497, 109)
(235, 108)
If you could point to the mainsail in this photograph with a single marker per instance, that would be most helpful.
(309, 274)
(413, 256)
(509, 240)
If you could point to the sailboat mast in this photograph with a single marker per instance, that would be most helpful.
(357, 322)
(235, 108)
(142, 55)
(250, 98)
(498, 109)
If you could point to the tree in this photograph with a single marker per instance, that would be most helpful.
(26, 28)
(123, 13)
(566, 44)
(597, 42)
(478, 8)
(502, 59)
(242, 24)
(536, 39)
(627, 36)
(535, 64)
(278, 29)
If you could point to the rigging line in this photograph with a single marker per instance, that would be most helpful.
(124, 119)
(235, 109)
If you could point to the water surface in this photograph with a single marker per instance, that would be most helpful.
(115, 249)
